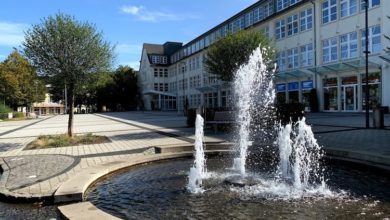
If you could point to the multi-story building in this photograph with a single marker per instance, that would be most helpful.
(320, 44)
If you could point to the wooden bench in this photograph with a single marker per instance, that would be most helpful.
(222, 118)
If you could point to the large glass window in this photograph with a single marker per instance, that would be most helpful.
(292, 25)
(306, 18)
(330, 94)
(371, 3)
(329, 50)
(329, 11)
(292, 58)
(348, 46)
(374, 39)
(280, 29)
(307, 55)
(281, 60)
(348, 7)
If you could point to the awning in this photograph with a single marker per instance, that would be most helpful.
(292, 74)
(154, 92)
(351, 65)
(385, 57)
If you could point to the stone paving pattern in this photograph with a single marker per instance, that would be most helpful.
(30, 173)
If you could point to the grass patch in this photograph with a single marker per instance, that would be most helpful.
(63, 140)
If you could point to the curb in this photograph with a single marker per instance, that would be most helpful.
(359, 157)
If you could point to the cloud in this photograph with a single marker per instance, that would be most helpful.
(12, 34)
(130, 9)
(141, 13)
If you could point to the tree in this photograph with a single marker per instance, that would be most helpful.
(227, 54)
(19, 82)
(69, 51)
(125, 88)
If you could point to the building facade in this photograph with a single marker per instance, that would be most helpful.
(320, 45)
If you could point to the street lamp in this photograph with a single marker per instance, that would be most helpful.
(366, 53)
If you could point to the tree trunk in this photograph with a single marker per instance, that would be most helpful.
(71, 110)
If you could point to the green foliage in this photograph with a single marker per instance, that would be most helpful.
(226, 55)
(19, 83)
(5, 109)
(67, 52)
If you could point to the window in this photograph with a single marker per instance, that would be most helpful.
(374, 39)
(156, 86)
(307, 55)
(155, 72)
(281, 4)
(348, 46)
(292, 25)
(281, 61)
(280, 29)
(166, 73)
(348, 7)
(248, 20)
(371, 3)
(265, 30)
(292, 58)
(329, 11)
(256, 14)
(306, 18)
(329, 50)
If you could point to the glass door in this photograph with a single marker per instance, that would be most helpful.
(348, 98)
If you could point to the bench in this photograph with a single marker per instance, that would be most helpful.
(222, 118)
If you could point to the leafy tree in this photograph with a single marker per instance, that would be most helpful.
(68, 50)
(125, 88)
(19, 82)
(227, 54)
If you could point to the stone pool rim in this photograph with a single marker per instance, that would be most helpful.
(74, 189)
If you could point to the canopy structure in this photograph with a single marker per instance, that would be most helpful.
(292, 74)
(352, 65)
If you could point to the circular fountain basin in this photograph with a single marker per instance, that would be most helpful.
(158, 191)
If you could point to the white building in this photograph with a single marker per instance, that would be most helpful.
(320, 45)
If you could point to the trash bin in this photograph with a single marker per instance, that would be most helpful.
(378, 118)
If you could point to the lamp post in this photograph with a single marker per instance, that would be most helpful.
(366, 53)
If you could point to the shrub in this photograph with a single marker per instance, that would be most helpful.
(313, 100)
(18, 115)
(287, 112)
(191, 117)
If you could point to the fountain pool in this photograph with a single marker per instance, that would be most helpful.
(159, 191)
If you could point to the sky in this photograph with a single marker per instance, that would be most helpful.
(127, 24)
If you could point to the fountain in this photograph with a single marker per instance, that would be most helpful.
(198, 171)
(297, 185)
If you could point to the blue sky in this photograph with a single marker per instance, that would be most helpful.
(125, 23)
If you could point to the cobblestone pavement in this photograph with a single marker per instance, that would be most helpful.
(30, 173)
(40, 172)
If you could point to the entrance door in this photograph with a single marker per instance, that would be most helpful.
(349, 98)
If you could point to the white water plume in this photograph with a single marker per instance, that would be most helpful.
(198, 171)
(253, 87)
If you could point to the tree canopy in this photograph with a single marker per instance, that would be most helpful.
(19, 83)
(227, 54)
(67, 50)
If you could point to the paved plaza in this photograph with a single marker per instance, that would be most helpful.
(39, 173)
